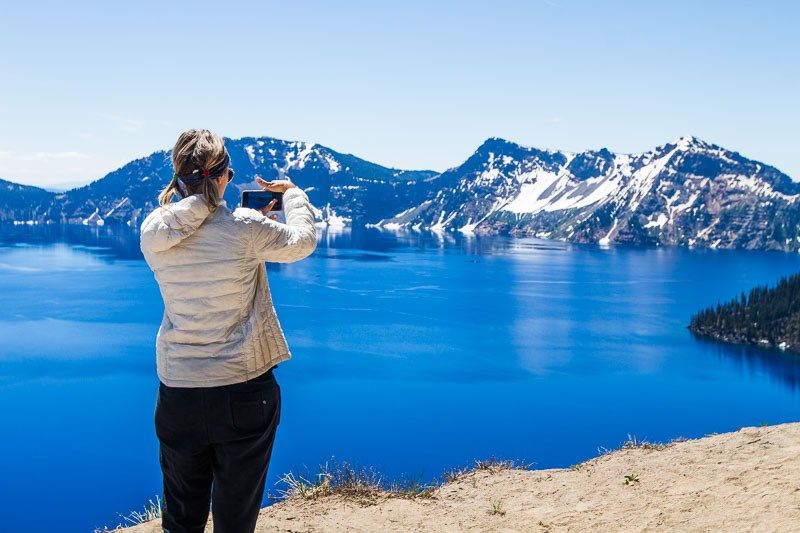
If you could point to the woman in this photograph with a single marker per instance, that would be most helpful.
(218, 402)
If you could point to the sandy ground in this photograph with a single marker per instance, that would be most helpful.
(743, 481)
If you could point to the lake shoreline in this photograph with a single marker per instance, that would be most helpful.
(737, 340)
(730, 481)
(555, 351)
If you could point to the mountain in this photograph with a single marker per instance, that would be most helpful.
(343, 187)
(768, 316)
(22, 202)
(688, 192)
(684, 193)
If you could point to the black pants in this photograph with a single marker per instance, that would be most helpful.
(215, 445)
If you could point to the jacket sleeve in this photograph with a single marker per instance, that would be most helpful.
(286, 243)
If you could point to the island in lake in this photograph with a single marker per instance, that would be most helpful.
(768, 316)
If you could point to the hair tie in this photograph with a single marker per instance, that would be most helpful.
(195, 177)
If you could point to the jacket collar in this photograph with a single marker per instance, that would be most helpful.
(221, 203)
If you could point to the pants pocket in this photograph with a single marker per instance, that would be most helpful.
(247, 410)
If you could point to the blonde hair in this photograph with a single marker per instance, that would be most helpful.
(195, 150)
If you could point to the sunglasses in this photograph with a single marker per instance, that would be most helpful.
(230, 174)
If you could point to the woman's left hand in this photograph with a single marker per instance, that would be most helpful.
(275, 185)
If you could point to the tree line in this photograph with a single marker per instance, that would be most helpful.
(767, 316)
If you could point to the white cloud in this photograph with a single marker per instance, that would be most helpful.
(124, 123)
(45, 168)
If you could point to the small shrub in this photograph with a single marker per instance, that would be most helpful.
(630, 479)
(497, 508)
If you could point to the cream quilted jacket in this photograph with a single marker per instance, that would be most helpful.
(219, 325)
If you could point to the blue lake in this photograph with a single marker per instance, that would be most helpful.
(412, 354)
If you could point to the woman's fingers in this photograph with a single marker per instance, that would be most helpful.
(264, 183)
(267, 208)
(274, 217)
(275, 185)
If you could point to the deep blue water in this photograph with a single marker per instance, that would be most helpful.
(412, 354)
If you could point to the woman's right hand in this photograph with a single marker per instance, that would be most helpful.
(267, 208)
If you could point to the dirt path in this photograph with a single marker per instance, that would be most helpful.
(743, 481)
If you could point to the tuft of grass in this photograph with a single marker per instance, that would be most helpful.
(630, 479)
(151, 511)
(411, 489)
(491, 465)
(299, 486)
(494, 464)
(366, 486)
(344, 479)
(453, 474)
(360, 483)
(633, 443)
(497, 508)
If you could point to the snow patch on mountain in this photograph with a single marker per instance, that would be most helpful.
(686, 192)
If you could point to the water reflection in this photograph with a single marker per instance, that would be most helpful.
(122, 242)
(102, 241)
(751, 361)
(557, 307)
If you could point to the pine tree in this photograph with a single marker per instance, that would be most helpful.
(765, 314)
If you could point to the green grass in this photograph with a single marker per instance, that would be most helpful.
(497, 508)
(630, 479)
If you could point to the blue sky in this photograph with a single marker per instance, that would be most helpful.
(86, 87)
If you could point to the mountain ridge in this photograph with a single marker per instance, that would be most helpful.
(598, 196)
(685, 192)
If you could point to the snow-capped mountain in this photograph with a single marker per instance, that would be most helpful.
(342, 187)
(688, 192)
